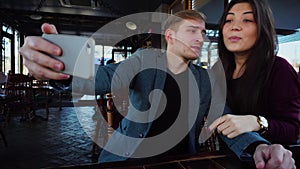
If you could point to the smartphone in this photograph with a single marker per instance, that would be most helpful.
(77, 54)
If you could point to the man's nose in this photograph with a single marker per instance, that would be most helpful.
(200, 38)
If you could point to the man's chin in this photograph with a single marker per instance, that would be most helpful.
(194, 56)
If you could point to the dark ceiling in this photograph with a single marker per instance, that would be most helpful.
(84, 17)
(81, 17)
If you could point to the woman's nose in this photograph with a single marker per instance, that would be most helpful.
(236, 26)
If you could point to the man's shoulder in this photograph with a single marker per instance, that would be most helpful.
(197, 67)
(201, 74)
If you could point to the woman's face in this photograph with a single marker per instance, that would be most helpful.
(240, 29)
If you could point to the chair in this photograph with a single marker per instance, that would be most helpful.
(18, 93)
(106, 107)
(3, 119)
(213, 143)
(3, 112)
(3, 79)
(42, 96)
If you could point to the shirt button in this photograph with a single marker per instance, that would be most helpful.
(141, 135)
(127, 154)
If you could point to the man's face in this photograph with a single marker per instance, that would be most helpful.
(188, 39)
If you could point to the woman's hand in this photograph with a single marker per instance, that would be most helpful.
(233, 125)
(36, 51)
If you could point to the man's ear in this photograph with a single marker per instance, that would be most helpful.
(169, 36)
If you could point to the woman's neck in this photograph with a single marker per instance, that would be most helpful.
(240, 67)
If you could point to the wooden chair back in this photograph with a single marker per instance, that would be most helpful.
(213, 143)
(18, 87)
(42, 96)
(3, 79)
(106, 107)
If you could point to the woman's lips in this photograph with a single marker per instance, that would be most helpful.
(234, 38)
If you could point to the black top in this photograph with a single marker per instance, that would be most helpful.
(175, 100)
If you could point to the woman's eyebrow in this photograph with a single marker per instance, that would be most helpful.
(248, 12)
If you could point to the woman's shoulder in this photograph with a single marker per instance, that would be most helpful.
(280, 61)
(282, 64)
(283, 68)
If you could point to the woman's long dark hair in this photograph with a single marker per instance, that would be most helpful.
(260, 60)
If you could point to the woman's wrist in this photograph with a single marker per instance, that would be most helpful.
(254, 122)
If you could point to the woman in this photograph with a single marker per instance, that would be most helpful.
(263, 89)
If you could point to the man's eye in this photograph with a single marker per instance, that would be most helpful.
(192, 30)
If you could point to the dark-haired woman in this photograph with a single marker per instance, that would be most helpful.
(263, 89)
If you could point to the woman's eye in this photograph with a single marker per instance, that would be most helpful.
(227, 20)
(248, 20)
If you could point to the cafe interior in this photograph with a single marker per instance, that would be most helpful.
(42, 127)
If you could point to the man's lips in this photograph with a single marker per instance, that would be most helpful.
(196, 47)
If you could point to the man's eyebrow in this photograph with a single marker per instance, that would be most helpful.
(197, 27)
(192, 26)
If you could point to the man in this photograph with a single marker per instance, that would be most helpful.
(168, 96)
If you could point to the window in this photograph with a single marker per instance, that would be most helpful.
(289, 48)
(10, 57)
(105, 53)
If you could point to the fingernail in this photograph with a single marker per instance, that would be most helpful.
(56, 51)
(65, 76)
(57, 66)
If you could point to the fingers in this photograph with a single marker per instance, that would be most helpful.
(233, 134)
(289, 163)
(281, 158)
(49, 28)
(216, 123)
(276, 156)
(39, 44)
(260, 165)
(35, 52)
(224, 126)
(273, 156)
(42, 73)
(260, 156)
(31, 52)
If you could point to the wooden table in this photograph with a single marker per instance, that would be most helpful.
(217, 160)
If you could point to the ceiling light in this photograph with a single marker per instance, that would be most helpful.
(36, 17)
(131, 25)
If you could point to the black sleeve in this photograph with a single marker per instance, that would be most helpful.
(61, 84)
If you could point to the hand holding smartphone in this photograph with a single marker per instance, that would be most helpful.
(77, 54)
